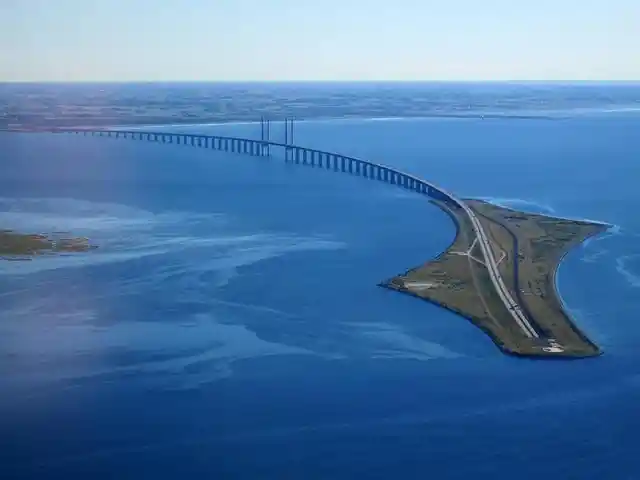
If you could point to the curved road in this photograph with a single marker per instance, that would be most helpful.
(512, 306)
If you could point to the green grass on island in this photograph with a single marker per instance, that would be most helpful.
(25, 246)
(528, 248)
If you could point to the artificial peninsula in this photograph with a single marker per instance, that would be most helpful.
(499, 273)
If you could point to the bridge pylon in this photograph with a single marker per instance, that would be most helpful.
(288, 138)
(265, 137)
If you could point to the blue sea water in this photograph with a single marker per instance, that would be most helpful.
(230, 326)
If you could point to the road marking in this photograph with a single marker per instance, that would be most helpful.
(421, 285)
(477, 260)
(473, 244)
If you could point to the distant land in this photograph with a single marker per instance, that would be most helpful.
(109, 104)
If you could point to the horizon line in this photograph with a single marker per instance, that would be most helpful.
(433, 81)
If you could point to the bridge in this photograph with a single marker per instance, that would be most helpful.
(340, 163)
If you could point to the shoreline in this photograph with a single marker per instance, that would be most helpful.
(456, 224)
(387, 284)
(451, 114)
(556, 288)
(320, 119)
(560, 217)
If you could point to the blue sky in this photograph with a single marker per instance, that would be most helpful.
(68, 40)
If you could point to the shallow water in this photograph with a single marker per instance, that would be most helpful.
(230, 326)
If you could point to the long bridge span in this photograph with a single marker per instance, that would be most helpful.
(291, 153)
(339, 163)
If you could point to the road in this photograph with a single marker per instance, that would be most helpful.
(492, 266)
(496, 278)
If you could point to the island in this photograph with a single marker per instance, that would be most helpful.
(21, 246)
(527, 318)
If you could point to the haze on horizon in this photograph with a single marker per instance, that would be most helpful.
(248, 40)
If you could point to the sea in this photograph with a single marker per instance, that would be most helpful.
(230, 324)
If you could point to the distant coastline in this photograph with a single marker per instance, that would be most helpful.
(138, 122)
(109, 105)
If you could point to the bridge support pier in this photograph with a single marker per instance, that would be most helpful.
(292, 153)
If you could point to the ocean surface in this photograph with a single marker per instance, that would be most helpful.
(229, 325)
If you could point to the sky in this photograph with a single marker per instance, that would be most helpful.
(249, 40)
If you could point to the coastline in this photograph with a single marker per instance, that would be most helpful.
(170, 121)
(554, 282)
(456, 224)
